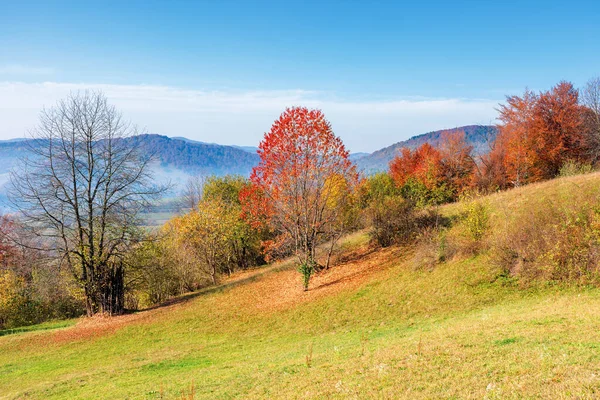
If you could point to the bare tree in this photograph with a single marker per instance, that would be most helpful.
(81, 189)
(591, 100)
(192, 192)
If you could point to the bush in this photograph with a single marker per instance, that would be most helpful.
(571, 168)
(476, 220)
(553, 243)
(34, 300)
(392, 221)
(306, 269)
(423, 196)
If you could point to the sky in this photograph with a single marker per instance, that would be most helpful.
(223, 71)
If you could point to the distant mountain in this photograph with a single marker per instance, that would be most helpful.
(357, 156)
(479, 136)
(249, 149)
(197, 158)
(176, 159)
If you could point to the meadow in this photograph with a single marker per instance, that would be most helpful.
(376, 325)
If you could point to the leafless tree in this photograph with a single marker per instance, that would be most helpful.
(192, 192)
(81, 189)
(591, 100)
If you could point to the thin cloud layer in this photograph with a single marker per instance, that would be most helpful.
(17, 69)
(243, 117)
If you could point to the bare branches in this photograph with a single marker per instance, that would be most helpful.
(83, 186)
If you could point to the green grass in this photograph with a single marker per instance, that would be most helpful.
(38, 327)
(456, 331)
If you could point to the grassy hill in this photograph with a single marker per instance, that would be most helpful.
(380, 324)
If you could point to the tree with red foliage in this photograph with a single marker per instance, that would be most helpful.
(298, 185)
(558, 122)
(430, 175)
(457, 163)
(422, 164)
(490, 174)
(540, 133)
(517, 138)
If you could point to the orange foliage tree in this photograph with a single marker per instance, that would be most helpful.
(422, 164)
(517, 139)
(539, 133)
(303, 167)
(559, 123)
(430, 175)
(490, 172)
(457, 163)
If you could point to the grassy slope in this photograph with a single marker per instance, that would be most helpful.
(376, 326)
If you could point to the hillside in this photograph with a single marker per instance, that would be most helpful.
(479, 136)
(379, 324)
(196, 157)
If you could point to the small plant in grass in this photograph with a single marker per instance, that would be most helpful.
(364, 340)
(189, 394)
(306, 269)
(442, 254)
(477, 220)
(309, 355)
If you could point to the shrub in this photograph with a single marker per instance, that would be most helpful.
(476, 220)
(306, 269)
(571, 168)
(423, 196)
(392, 221)
(555, 243)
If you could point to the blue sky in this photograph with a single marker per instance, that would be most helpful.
(381, 71)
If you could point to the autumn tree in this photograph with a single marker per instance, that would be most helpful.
(559, 126)
(244, 239)
(201, 238)
(82, 190)
(419, 175)
(422, 164)
(517, 138)
(457, 163)
(490, 172)
(303, 166)
(539, 133)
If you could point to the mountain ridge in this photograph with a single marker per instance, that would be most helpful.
(479, 136)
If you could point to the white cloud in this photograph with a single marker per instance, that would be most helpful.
(16, 69)
(243, 117)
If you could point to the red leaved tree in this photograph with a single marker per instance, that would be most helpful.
(539, 133)
(422, 164)
(559, 125)
(458, 165)
(519, 139)
(302, 183)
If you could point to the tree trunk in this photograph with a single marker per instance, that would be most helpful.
(112, 293)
